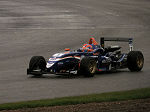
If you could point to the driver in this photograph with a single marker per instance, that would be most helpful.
(90, 46)
(87, 48)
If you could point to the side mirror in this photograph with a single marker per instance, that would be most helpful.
(67, 49)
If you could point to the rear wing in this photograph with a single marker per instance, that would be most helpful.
(129, 40)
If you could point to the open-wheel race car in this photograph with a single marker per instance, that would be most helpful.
(89, 59)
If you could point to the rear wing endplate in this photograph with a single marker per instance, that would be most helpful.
(129, 40)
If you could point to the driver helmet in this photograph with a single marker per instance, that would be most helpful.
(87, 48)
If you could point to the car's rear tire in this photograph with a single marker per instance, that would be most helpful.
(135, 61)
(88, 66)
(37, 62)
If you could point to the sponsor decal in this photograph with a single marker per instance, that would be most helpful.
(49, 65)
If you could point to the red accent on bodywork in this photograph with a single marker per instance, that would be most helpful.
(67, 49)
(79, 65)
(100, 70)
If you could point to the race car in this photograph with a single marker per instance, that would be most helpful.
(89, 59)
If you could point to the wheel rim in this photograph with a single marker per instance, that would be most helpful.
(92, 67)
(139, 62)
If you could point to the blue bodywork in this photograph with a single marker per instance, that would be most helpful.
(69, 62)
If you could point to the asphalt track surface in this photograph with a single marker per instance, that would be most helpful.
(43, 27)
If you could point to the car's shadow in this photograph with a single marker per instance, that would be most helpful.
(98, 74)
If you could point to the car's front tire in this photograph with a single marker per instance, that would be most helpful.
(135, 61)
(37, 63)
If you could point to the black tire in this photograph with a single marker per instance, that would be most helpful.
(88, 66)
(37, 62)
(135, 61)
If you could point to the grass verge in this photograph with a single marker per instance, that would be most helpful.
(103, 97)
